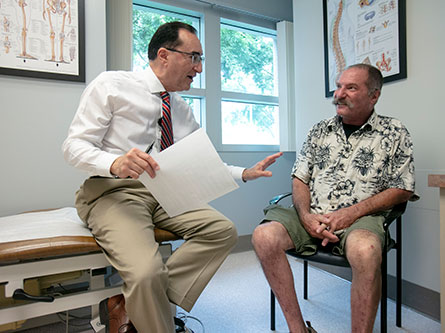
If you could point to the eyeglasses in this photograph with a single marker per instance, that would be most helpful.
(196, 57)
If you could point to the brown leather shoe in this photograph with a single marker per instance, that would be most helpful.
(113, 315)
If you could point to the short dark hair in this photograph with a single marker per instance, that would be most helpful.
(375, 77)
(167, 35)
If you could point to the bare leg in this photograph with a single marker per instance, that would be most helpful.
(364, 254)
(270, 241)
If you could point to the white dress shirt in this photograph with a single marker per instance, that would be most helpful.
(118, 111)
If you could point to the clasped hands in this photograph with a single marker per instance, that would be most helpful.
(325, 226)
(135, 162)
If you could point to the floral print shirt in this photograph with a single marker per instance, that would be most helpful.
(341, 171)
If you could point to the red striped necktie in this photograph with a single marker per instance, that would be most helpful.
(166, 122)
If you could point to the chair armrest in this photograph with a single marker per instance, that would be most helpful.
(396, 211)
(278, 198)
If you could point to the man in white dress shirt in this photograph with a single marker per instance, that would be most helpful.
(117, 119)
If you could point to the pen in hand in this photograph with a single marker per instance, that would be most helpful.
(149, 148)
(155, 166)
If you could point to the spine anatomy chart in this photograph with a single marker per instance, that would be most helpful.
(362, 31)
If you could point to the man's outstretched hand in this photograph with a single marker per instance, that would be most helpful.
(259, 169)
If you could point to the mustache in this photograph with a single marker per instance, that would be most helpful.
(342, 101)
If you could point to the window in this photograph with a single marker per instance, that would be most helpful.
(248, 67)
(247, 61)
(250, 124)
(236, 96)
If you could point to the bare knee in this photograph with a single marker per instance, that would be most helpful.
(364, 251)
(270, 238)
(265, 235)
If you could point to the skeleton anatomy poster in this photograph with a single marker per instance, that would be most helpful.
(364, 31)
(42, 38)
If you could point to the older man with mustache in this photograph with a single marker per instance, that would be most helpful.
(352, 169)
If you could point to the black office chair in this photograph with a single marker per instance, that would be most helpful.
(326, 257)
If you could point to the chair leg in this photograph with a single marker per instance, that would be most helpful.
(383, 300)
(305, 279)
(399, 272)
(272, 311)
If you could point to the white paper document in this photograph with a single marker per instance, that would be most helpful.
(191, 175)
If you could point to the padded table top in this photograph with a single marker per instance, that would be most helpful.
(46, 247)
(50, 233)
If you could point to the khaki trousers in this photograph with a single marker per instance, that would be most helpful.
(122, 215)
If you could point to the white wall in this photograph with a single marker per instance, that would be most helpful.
(35, 116)
(416, 101)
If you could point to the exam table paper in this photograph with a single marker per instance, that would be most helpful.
(47, 224)
(191, 175)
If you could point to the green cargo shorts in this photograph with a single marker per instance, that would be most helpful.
(305, 244)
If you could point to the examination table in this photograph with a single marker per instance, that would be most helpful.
(50, 262)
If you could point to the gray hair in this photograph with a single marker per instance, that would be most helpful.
(375, 77)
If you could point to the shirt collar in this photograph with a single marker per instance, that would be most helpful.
(152, 81)
(372, 121)
(335, 122)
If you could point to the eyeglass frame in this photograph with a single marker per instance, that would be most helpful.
(196, 57)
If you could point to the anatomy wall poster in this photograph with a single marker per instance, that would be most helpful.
(42, 38)
(364, 31)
